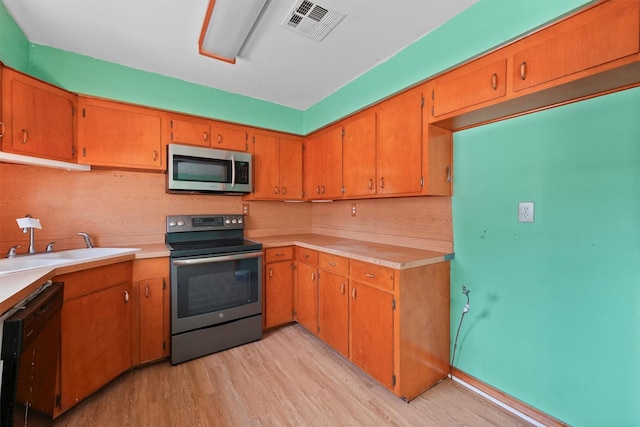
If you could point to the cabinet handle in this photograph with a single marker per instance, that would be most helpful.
(332, 264)
(306, 255)
(448, 171)
(206, 136)
(146, 291)
(275, 189)
(313, 276)
(523, 70)
(24, 136)
(1, 131)
(342, 288)
(219, 139)
(382, 182)
(322, 188)
(155, 155)
(370, 183)
(318, 189)
(370, 276)
(494, 81)
(354, 293)
(84, 151)
(284, 190)
(280, 254)
(126, 296)
(270, 273)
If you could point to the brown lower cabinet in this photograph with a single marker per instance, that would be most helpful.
(96, 331)
(278, 287)
(394, 324)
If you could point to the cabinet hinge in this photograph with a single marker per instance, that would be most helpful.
(433, 94)
(171, 124)
(432, 111)
(164, 283)
(343, 133)
(73, 151)
(344, 190)
(84, 112)
(393, 304)
(73, 110)
(393, 379)
(421, 101)
(171, 135)
(58, 401)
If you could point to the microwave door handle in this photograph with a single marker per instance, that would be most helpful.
(196, 261)
(233, 172)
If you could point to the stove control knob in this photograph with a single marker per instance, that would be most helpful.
(234, 221)
(239, 220)
(172, 223)
(227, 221)
(180, 223)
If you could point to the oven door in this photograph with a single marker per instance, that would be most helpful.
(211, 290)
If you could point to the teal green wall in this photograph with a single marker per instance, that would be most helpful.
(555, 316)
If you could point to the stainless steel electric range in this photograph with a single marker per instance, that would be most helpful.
(216, 285)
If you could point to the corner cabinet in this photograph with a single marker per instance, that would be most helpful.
(96, 330)
(113, 134)
(38, 119)
(277, 167)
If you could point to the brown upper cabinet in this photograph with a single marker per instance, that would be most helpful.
(37, 118)
(189, 130)
(113, 134)
(323, 164)
(277, 167)
(359, 151)
(594, 37)
(225, 136)
(469, 85)
(594, 51)
(399, 144)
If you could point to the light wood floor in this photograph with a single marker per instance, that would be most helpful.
(289, 378)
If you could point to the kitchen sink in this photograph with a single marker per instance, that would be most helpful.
(59, 259)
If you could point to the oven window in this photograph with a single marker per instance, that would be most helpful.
(216, 286)
(187, 168)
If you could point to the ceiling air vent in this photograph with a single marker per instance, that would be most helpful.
(312, 19)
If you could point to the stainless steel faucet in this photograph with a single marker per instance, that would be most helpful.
(12, 251)
(32, 247)
(87, 239)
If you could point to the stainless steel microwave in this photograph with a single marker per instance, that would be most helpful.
(207, 170)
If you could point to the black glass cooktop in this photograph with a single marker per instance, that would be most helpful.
(212, 247)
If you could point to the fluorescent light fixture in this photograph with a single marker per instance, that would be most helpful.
(37, 161)
(226, 27)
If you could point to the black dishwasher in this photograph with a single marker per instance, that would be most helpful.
(30, 349)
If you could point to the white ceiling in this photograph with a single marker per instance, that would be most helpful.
(275, 64)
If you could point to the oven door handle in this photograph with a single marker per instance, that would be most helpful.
(233, 172)
(208, 260)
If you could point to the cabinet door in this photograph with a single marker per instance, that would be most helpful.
(229, 137)
(290, 166)
(596, 36)
(95, 344)
(266, 159)
(38, 118)
(400, 144)
(471, 84)
(307, 297)
(278, 294)
(331, 163)
(333, 316)
(114, 134)
(359, 151)
(190, 131)
(371, 330)
(313, 167)
(152, 294)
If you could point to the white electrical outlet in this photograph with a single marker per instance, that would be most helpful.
(525, 211)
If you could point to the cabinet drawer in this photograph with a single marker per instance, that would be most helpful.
(379, 277)
(95, 279)
(308, 256)
(334, 263)
(278, 254)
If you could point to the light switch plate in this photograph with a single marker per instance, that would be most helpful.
(525, 211)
